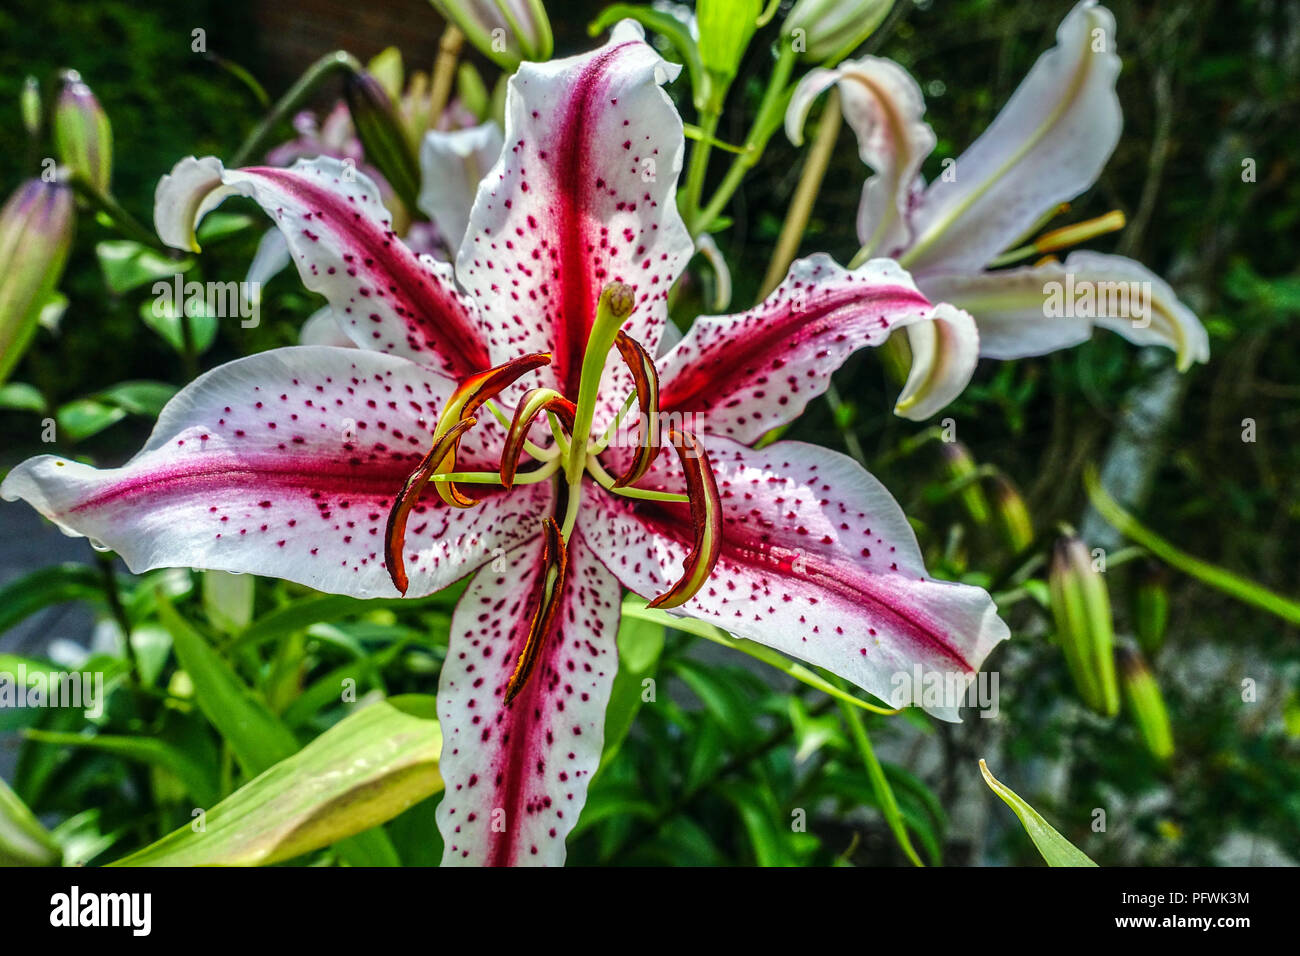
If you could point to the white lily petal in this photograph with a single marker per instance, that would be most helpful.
(1047, 146)
(451, 166)
(1039, 309)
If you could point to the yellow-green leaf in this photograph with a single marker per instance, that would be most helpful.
(365, 770)
(1056, 849)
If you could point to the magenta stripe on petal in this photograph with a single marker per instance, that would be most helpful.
(516, 774)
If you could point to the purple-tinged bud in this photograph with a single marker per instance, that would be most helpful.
(505, 31)
(383, 135)
(826, 31)
(36, 227)
(82, 133)
(1081, 607)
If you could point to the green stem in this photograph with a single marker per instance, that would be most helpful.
(770, 114)
(127, 224)
(805, 194)
(689, 200)
(879, 783)
(313, 77)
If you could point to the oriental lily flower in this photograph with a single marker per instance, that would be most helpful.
(399, 467)
(1048, 145)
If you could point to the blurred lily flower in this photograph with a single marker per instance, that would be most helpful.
(82, 133)
(36, 228)
(1048, 145)
(311, 463)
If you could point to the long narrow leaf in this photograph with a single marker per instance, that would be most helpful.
(1056, 849)
(363, 771)
(1234, 585)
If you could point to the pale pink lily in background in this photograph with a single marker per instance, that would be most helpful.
(1048, 145)
(308, 463)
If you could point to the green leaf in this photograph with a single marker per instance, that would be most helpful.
(1234, 585)
(640, 644)
(127, 264)
(365, 770)
(1056, 849)
(198, 779)
(23, 841)
(257, 737)
(21, 397)
(879, 782)
(138, 398)
(81, 418)
(164, 317)
(53, 585)
(634, 606)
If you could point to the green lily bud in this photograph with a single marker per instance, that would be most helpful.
(1013, 516)
(726, 27)
(29, 103)
(505, 31)
(82, 133)
(960, 469)
(36, 227)
(1081, 607)
(383, 135)
(1145, 702)
(826, 31)
(1151, 606)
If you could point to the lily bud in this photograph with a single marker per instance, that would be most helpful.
(82, 133)
(960, 469)
(1081, 607)
(1013, 515)
(725, 27)
(29, 104)
(1145, 702)
(826, 31)
(36, 227)
(505, 31)
(383, 135)
(1151, 606)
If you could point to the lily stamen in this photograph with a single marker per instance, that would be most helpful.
(550, 588)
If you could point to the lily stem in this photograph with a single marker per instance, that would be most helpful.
(884, 793)
(127, 224)
(444, 72)
(313, 77)
(805, 194)
(770, 113)
(700, 150)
